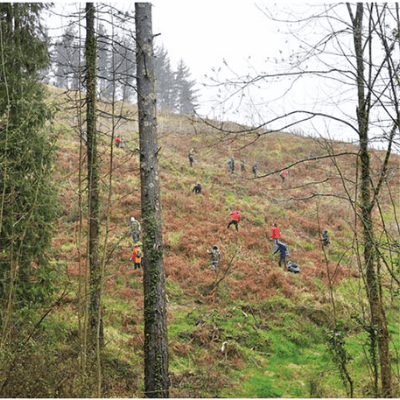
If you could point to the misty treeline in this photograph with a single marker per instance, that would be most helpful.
(116, 67)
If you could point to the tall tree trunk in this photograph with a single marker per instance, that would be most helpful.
(379, 328)
(96, 329)
(155, 314)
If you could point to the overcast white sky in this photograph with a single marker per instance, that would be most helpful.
(204, 33)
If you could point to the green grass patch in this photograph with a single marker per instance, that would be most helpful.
(261, 387)
(174, 237)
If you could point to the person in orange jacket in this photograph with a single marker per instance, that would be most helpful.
(235, 219)
(137, 256)
(275, 234)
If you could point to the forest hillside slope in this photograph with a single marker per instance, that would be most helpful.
(271, 321)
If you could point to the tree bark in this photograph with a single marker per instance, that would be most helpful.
(96, 327)
(379, 328)
(156, 374)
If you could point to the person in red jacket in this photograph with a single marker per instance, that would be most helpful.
(137, 256)
(235, 219)
(119, 142)
(275, 233)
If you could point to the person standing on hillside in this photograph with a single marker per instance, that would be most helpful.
(136, 228)
(283, 175)
(215, 255)
(231, 165)
(275, 234)
(243, 165)
(254, 169)
(235, 219)
(283, 251)
(137, 257)
(191, 157)
(325, 238)
(120, 142)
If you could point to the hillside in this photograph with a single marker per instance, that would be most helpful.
(271, 321)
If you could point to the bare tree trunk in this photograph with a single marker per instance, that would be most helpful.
(93, 178)
(378, 317)
(155, 313)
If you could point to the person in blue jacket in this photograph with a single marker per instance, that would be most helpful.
(282, 248)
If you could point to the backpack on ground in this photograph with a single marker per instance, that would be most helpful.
(293, 267)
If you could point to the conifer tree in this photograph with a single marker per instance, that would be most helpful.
(184, 90)
(165, 80)
(156, 376)
(28, 202)
(93, 177)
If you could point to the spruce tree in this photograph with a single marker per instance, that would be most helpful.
(156, 375)
(184, 90)
(165, 80)
(28, 202)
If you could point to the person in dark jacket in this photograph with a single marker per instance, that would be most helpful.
(197, 189)
(325, 238)
(282, 248)
(254, 169)
(191, 157)
(215, 255)
(136, 228)
(231, 165)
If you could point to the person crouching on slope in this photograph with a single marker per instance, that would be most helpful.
(235, 219)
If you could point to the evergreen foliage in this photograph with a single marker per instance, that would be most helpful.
(28, 202)
(116, 65)
(184, 88)
(164, 80)
(174, 89)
